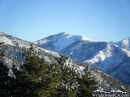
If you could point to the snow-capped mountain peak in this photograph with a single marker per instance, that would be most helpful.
(85, 38)
(60, 41)
(67, 35)
(125, 43)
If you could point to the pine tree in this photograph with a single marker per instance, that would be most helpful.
(86, 84)
(43, 77)
(68, 79)
(10, 86)
(21, 84)
(67, 82)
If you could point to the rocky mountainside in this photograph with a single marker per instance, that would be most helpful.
(112, 58)
(14, 48)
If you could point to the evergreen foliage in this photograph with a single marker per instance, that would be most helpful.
(36, 78)
(1, 51)
(5, 80)
(42, 76)
(79, 85)
(67, 84)
(87, 84)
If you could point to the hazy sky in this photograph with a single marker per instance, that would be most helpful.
(99, 20)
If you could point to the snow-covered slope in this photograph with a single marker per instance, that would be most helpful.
(124, 43)
(19, 43)
(60, 41)
(105, 56)
(14, 48)
(121, 71)
(114, 61)
(82, 50)
(10, 40)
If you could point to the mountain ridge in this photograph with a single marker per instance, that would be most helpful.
(104, 55)
(15, 47)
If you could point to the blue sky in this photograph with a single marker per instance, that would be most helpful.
(99, 20)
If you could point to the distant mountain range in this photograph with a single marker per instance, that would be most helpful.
(110, 57)
(77, 47)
